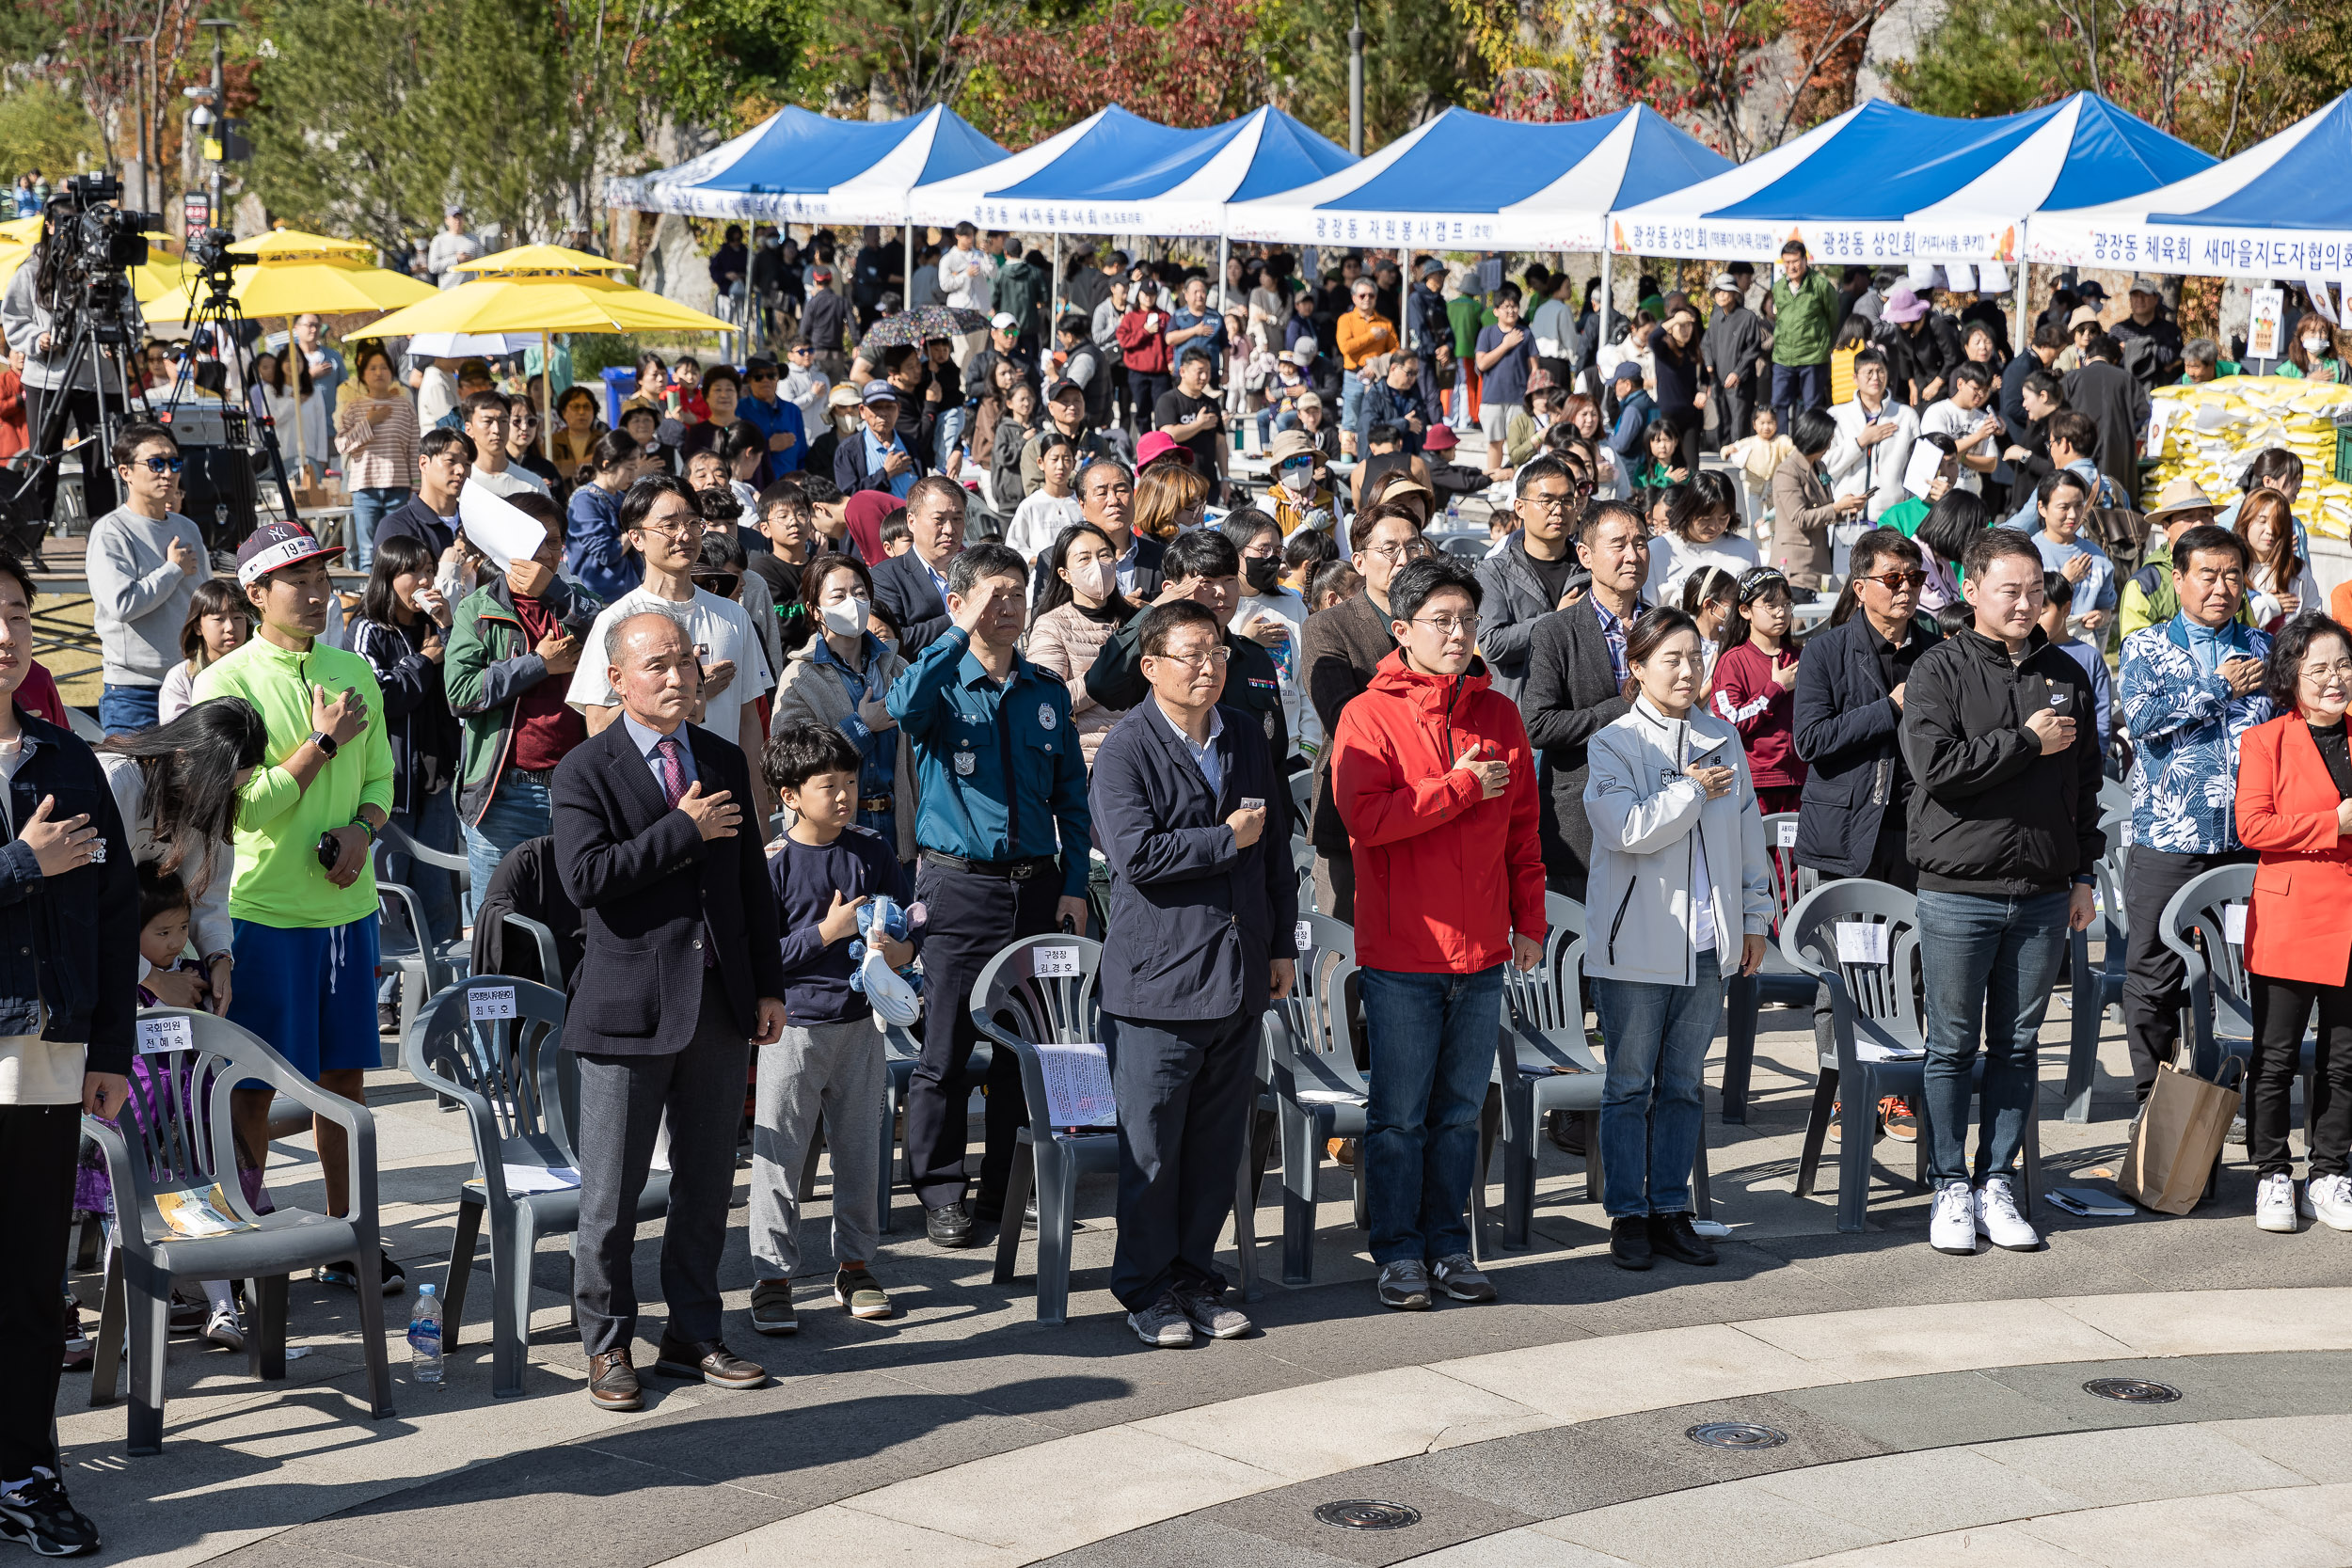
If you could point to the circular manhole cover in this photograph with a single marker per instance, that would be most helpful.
(1368, 1513)
(1737, 1434)
(2132, 1390)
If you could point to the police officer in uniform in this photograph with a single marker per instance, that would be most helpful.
(1003, 835)
(1203, 566)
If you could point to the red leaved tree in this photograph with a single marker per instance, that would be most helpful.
(1188, 64)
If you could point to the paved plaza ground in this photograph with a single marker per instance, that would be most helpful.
(1933, 1406)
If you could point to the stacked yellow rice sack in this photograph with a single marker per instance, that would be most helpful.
(2212, 431)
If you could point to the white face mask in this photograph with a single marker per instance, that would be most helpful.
(1097, 579)
(845, 617)
(2314, 345)
(1299, 481)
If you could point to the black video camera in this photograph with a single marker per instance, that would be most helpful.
(101, 234)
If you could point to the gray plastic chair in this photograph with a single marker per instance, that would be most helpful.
(173, 1150)
(543, 943)
(1302, 798)
(2097, 988)
(1303, 861)
(1779, 982)
(517, 1084)
(1319, 1091)
(1019, 1009)
(900, 1056)
(1544, 1063)
(426, 968)
(2220, 1001)
(1877, 1003)
(2114, 796)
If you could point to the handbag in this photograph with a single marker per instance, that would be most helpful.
(2178, 1137)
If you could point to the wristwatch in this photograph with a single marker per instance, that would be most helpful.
(325, 742)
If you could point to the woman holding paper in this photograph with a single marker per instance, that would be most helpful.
(1680, 898)
(2294, 806)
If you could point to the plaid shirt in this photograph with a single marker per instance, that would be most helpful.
(1613, 627)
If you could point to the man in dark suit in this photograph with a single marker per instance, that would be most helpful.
(1576, 681)
(681, 970)
(1341, 649)
(876, 457)
(912, 587)
(1107, 499)
(1203, 904)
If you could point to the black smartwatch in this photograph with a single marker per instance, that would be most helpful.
(325, 742)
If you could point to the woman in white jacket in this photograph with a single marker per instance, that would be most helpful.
(1680, 895)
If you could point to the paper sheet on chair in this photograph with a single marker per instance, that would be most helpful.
(190, 1212)
(1077, 1085)
(540, 1179)
(1329, 1097)
(1861, 941)
(1871, 1051)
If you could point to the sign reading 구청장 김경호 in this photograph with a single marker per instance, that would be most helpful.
(1978, 241)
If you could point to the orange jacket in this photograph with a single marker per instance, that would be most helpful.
(2298, 924)
(1360, 337)
(1443, 876)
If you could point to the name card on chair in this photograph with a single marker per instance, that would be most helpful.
(1077, 1085)
(159, 1034)
(1784, 834)
(1055, 963)
(1861, 941)
(483, 1003)
(1303, 937)
(2233, 924)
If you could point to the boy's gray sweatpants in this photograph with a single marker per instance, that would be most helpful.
(836, 1070)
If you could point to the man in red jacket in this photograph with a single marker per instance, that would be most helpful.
(1432, 773)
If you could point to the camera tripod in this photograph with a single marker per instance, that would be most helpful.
(97, 345)
(220, 313)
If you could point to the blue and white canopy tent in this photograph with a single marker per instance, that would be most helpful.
(2281, 209)
(1118, 173)
(1469, 181)
(1884, 185)
(800, 167)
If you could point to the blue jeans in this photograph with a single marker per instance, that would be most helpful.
(1650, 1109)
(124, 708)
(434, 825)
(1989, 963)
(369, 508)
(516, 814)
(1351, 398)
(1796, 387)
(1433, 1050)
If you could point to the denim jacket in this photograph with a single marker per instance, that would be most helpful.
(2186, 725)
(69, 944)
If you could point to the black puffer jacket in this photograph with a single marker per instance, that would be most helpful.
(1990, 815)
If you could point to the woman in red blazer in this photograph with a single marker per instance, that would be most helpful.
(2295, 805)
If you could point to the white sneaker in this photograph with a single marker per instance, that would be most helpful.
(2274, 1204)
(1998, 1220)
(223, 1329)
(2331, 1200)
(1952, 1228)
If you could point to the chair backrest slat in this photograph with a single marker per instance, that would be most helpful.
(516, 1063)
(1886, 996)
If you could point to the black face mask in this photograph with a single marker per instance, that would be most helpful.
(1262, 572)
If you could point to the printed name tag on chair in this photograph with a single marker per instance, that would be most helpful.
(1786, 834)
(2233, 924)
(1303, 938)
(1053, 963)
(1859, 942)
(159, 1034)
(483, 1003)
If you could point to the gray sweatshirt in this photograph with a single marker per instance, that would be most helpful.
(139, 599)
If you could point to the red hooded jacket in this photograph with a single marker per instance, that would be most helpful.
(1443, 877)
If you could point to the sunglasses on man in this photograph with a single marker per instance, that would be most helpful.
(164, 465)
(1895, 582)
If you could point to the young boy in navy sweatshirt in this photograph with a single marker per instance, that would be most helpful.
(830, 1059)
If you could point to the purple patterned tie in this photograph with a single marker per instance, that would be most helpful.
(672, 757)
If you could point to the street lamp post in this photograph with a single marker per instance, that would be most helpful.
(1356, 84)
(220, 104)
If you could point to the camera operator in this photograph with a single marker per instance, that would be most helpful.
(38, 341)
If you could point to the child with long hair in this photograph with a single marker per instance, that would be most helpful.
(219, 623)
(1755, 687)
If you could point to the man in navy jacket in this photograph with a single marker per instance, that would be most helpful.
(1203, 908)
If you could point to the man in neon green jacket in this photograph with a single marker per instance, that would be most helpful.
(303, 930)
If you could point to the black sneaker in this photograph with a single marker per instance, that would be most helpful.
(1628, 1242)
(39, 1514)
(950, 1225)
(344, 1272)
(1675, 1237)
(1405, 1285)
(1566, 1128)
(772, 1308)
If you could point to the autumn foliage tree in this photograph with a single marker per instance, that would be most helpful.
(1190, 64)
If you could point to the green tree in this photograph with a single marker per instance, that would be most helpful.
(1418, 59)
(43, 128)
(341, 118)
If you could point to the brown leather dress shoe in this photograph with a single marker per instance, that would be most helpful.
(612, 1381)
(711, 1361)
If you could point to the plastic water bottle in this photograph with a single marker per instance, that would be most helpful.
(424, 1337)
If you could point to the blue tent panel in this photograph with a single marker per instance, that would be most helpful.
(958, 149)
(1128, 158)
(1290, 156)
(1461, 164)
(1665, 158)
(2113, 151)
(2305, 189)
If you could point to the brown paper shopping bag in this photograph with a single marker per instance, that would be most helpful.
(2178, 1137)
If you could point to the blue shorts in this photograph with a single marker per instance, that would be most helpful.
(309, 992)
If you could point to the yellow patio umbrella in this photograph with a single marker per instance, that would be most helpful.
(151, 279)
(544, 289)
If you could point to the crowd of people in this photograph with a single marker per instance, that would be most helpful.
(779, 662)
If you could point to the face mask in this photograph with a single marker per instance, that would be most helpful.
(1299, 480)
(847, 423)
(1262, 572)
(845, 617)
(1097, 579)
(2314, 345)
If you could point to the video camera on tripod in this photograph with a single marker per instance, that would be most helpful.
(93, 243)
